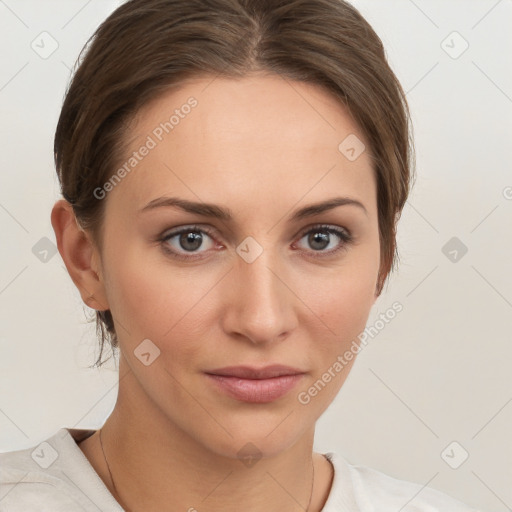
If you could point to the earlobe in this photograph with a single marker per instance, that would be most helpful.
(378, 288)
(80, 255)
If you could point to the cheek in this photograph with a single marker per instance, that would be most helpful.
(158, 301)
(137, 298)
(343, 298)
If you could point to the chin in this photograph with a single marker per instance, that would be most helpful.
(258, 437)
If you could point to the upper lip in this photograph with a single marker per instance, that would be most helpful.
(250, 372)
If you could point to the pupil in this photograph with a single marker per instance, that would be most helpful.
(194, 238)
(323, 238)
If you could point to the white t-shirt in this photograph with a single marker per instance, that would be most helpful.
(55, 476)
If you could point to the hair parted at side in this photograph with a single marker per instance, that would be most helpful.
(146, 47)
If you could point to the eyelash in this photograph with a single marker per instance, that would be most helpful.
(343, 234)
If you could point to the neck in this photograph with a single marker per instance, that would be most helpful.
(157, 466)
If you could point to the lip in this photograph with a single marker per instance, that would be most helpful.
(256, 385)
(251, 372)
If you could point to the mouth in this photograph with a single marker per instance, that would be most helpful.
(255, 385)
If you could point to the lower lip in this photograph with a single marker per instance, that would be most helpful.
(256, 390)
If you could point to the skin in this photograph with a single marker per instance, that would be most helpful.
(263, 147)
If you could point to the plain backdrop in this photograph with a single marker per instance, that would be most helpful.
(434, 386)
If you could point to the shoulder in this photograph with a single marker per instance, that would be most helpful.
(52, 476)
(26, 486)
(370, 490)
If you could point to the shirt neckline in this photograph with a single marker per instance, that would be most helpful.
(340, 498)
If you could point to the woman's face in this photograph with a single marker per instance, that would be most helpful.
(263, 285)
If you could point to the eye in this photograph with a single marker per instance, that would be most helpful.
(185, 243)
(323, 237)
(188, 239)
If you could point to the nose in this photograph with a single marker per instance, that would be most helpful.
(260, 304)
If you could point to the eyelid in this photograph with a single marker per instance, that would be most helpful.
(327, 227)
(212, 231)
(168, 234)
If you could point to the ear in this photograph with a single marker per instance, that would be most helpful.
(379, 286)
(80, 255)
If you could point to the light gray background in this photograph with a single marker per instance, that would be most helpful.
(438, 373)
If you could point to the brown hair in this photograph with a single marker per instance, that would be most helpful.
(147, 46)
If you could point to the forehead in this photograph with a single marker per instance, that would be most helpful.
(240, 107)
(257, 135)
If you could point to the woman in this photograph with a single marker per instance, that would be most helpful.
(232, 174)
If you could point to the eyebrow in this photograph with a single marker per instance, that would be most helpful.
(225, 214)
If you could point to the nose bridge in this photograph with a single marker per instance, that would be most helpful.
(261, 307)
